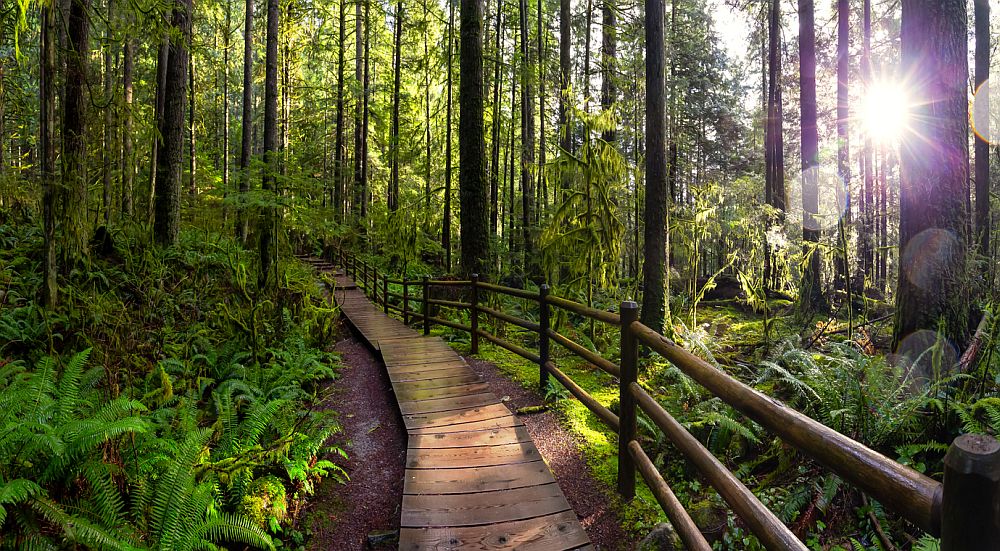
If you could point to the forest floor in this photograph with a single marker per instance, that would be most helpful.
(342, 516)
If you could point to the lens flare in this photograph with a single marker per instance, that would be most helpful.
(984, 113)
(885, 111)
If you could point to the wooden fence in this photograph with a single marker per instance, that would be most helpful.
(964, 510)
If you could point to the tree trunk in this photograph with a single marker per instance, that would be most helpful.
(654, 297)
(774, 146)
(843, 137)
(393, 199)
(161, 87)
(358, 189)
(225, 109)
(586, 55)
(540, 187)
(192, 150)
(338, 147)
(267, 249)
(446, 223)
(472, 147)
(982, 121)
(527, 150)
(108, 158)
(246, 124)
(364, 121)
(427, 125)
(170, 172)
(497, 93)
(932, 292)
(811, 296)
(565, 76)
(128, 160)
(74, 152)
(47, 147)
(608, 52)
(866, 235)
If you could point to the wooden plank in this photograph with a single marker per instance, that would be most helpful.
(478, 456)
(476, 479)
(482, 508)
(488, 437)
(443, 382)
(558, 532)
(498, 423)
(413, 395)
(422, 368)
(454, 371)
(418, 358)
(469, 415)
(447, 404)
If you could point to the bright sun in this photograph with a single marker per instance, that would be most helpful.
(884, 111)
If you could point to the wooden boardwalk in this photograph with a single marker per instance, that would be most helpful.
(474, 479)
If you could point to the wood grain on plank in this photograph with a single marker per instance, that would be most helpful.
(476, 479)
(483, 507)
(557, 532)
(488, 437)
(479, 456)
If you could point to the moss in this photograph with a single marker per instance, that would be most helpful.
(265, 503)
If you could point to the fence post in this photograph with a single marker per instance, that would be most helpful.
(364, 276)
(543, 336)
(375, 282)
(406, 303)
(426, 307)
(474, 314)
(385, 294)
(970, 504)
(626, 426)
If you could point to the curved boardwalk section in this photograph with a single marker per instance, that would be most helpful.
(474, 479)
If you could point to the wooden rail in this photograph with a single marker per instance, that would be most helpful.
(964, 509)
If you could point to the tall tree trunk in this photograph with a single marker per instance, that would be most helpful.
(364, 121)
(982, 121)
(497, 93)
(128, 156)
(565, 77)
(192, 150)
(427, 125)
(866, 235)
(170, 172)
(74, 152)
(472, 147)
(393, 199)
(811, 297)
(540, 187)
(246, 124)
(286, 109)
(109, 159)
(932, 293)
(527, 149)
(161, 86)
(47, 147)
(843, 137)
(654, 297)
(338, 147)
(446, 223)
(267, 248)
(608, 52)
(774, 148)
(586, 54)
(358, 190)
(225, 108)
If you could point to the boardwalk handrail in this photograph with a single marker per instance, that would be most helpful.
(953, 509)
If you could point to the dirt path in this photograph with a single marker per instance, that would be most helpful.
(342, 516)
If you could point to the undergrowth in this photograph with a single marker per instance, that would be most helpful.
(165, 404)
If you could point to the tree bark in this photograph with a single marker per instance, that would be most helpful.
(497, 93)
(108, 158)
(608, 52)
(540, 187)
(982, 119)
(472, 147)
(47, 147)
(446, 222)
(364, 121)
(170, 172)
(161, 85)
(565, 76)
(192, 150)
(427, 123)
(338, 147)
(128, 156)
(811, 297)
(246, 124)
(74, 152)
(225, 108)
(774, 146)
(359, 60)
(654, 297)
(843, 137)
(266, 248)
(866, 235)
(393, 199)
(932, 289)
(527, 150)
